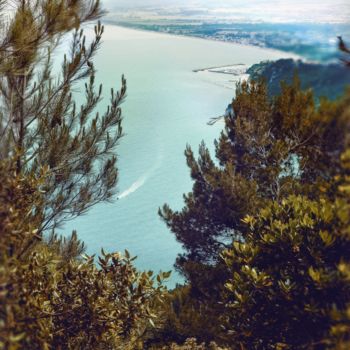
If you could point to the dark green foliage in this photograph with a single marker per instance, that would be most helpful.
(271, 153)
(269, 149)
(191, 344)
(290, 285)
(286, 275)
(185, 316)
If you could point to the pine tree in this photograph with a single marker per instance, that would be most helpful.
(56, 160)
(269, 149)
(41, 124)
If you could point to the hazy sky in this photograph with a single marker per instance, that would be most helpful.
(271, 10)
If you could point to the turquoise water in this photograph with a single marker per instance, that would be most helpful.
(168, 106)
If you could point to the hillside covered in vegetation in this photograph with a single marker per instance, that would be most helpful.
(326, 80)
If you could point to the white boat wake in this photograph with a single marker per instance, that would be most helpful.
(134, 187)
(142, 179)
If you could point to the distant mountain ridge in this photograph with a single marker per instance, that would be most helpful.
(326, 80)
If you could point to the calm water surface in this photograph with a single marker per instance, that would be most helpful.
(167, 107)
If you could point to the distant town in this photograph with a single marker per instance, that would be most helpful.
(313, 41)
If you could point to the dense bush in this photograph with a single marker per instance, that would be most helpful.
(288, 275)
(52, 298)
(191, 344)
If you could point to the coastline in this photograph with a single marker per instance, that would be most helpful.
(225, 76)
(221, 66)
(272, 50)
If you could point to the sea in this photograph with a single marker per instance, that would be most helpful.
(174, 90)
